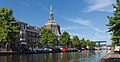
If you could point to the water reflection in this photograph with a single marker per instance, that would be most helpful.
(89, 56)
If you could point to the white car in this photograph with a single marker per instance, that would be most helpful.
(117, 49)
(47, 50)
(37, 49)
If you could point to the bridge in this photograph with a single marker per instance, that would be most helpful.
(99, 43)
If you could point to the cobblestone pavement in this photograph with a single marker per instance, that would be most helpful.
(111, 57)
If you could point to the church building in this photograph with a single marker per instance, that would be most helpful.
(51, 24)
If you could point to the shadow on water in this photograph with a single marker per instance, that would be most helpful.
(89, 56)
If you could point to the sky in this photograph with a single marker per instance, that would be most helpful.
(84, 18)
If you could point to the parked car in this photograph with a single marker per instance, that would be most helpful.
(79, 48)
(55, 49)
(64, 49)
(40, 50)
(72, 49)
(108, 48)
(23, 49)
(36, 50)
(117, 49)
(47, 49)
(14, 49)
(92, 48)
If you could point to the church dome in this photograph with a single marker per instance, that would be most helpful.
(51, 22)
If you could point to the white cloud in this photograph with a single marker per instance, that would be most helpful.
(100, 5)
(43, 6)
(85, 23)
(67, 28)
(73, 34)
(26, 4)
(99, 35)
(79, 21)
(71, 28)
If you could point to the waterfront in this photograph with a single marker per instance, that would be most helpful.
(89, 56)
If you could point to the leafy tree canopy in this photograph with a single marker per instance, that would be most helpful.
(9, 29)
(65, 39)
(114, 22)
(75, 40)
(47, 37)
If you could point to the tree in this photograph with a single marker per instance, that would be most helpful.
(114, 23)
(93, 44)
(83, 42)
(65, 39)
(83, 39)
(75, 41)
(9, 30)
(47, 37)
(89, 43)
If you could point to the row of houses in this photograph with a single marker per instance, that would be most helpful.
(30, 35)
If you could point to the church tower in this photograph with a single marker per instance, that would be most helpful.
(51, 24)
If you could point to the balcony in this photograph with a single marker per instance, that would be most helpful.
(21, 39)
(22, 32)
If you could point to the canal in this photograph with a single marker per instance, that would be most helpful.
(89, 56)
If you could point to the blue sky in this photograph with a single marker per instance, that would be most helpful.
(84, 18)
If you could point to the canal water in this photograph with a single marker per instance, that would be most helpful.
(89, 56)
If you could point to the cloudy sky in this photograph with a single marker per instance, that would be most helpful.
(84, 18)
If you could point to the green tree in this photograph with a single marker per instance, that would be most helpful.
(75, 41)
(89, 43)
(65, 39)
(83, 39)
(93, 44)
(9, 29)
(83, 42)
(114, 23)
(47, 37)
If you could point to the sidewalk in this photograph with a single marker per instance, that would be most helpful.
(111, 57)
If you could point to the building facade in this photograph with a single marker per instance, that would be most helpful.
(22, 38)
(29, 36)
(33, 37)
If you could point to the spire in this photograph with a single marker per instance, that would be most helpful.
(51, 14)
(50, 7)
